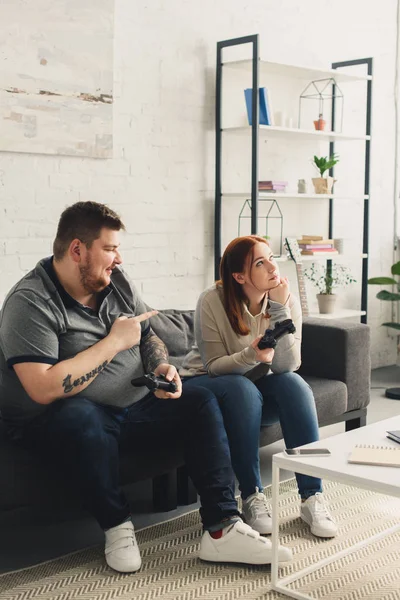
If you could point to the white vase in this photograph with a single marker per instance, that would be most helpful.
(326, 303)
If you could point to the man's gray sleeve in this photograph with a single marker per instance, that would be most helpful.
(28, 330)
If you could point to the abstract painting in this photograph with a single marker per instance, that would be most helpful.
(56, 77)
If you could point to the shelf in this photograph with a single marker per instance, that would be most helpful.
(343, 313)
(230, 124)
(274, 131)
(308, 258)
(297, 71)
(288, 195)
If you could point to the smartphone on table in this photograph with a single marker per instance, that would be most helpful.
(307, 452)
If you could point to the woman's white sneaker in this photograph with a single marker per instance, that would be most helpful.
(314, 511)
(122, 552)
(239, 543)
(257, 513)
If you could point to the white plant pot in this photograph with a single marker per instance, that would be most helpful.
(326, 303)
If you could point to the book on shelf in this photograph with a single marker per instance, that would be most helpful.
(326, 251)
(313, 237)
(269, 105)
(383, 456)
(264, 111)
(272, 182)
(269, 188)
(315, 242)
(272, 186)
(316, 246)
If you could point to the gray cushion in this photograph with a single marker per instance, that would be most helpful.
(175, 329)
(330, 397)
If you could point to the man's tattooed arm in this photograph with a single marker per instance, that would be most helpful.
(153, 352)
(69, 385)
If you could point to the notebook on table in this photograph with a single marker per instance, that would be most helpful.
(383, 456)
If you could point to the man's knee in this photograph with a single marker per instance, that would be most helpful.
(78, 418)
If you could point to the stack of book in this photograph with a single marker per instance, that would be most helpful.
(313, 245)
(272, 186)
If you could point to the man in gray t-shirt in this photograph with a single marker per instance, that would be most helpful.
(73, 333)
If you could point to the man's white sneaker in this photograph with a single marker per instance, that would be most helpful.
(314, 511)
(239, 543)
(257, 513)
(122, 552)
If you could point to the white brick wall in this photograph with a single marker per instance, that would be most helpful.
(161, 179)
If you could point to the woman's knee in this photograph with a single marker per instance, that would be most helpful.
(293, 381)
(228, 389)
(292, 387)
(196, 397)
(240, 394)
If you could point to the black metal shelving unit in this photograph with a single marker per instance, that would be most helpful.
(254, 196)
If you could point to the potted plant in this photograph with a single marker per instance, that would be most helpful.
(393, 393)
(388, 296)
(320, 123)
(326, 279)
(323, 185)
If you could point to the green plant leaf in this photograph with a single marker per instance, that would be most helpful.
(392, 325)
(385, 295)
(396, 268)
(382, 281)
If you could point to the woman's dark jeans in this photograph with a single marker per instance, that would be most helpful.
(285, 398)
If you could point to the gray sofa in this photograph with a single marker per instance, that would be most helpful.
(335, 362)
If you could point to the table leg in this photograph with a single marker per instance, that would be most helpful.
(275, 523)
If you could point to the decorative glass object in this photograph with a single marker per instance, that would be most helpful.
(318, 92)
(273, 221)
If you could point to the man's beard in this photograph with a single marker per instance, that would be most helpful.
(89, 283)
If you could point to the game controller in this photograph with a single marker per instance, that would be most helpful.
(153, 382)
(271, 336)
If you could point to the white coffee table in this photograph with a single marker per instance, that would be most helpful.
(384, 480)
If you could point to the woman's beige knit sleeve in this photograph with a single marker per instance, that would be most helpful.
(214, 337)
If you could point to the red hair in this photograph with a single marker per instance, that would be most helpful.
(236, 259)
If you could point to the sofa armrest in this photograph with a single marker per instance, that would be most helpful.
(339, 349)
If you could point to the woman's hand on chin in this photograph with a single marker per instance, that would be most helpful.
(281, 292)
(263, 356)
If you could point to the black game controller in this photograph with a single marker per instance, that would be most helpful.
(270, 337)
(155, 383)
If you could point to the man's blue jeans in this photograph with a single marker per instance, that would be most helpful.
(84, 438)
(284, 398)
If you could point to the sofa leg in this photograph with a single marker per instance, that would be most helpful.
(165, 496)
(187, 493)
(356, 423)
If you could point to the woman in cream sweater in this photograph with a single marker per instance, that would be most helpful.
(231, 317)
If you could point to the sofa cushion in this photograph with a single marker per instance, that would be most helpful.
(175, 328)
(330, 397)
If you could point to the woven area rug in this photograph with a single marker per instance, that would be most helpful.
(172, 571)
